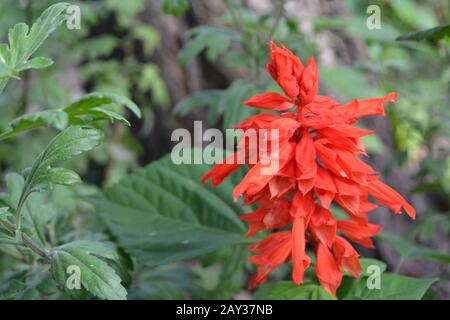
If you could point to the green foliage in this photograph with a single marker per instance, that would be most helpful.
(286, 290)
(96, 276)
(216, 41)
(432, 35)
(23, 42)
(408, 250)
(93, 107)
(175, 7)
(392, 287)
(162, 213)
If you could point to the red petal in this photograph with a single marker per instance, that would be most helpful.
(327, 270)
(269, 101)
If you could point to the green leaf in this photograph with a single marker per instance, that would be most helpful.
(215, 40)
(69, 143)
(367, 262)
(90, 108)
(286, 290)
(63, 176)
(392, 287)
(96, 276)
(162, 213)
(4, 213)
(432, 35)
(100, 99)
(36, 63)
(175, 7)
(23, 42)
(44, 119)
(408, 250)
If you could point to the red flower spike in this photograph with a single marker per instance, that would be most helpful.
(317, 163)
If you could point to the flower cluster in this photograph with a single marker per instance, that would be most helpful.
(318, 164)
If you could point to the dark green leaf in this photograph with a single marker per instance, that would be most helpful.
(162, 213)
(96, 276)
(431, 35)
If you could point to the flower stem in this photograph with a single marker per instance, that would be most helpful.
(26, 240)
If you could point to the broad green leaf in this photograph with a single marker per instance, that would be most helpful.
(175, 7)
(164, 283)
(408, 250)
(392, 287)
(431, 35)
(96, 276)
(367, 262)
(162, 213)
(92, 107)
(23, 42)
(286, 290)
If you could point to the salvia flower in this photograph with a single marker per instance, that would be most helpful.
(319, 163)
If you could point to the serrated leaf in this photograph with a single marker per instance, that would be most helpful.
(97, 99)
(162, 213)
(96, 276)
(431, 35)
(23, 42)
(44, 119)
(67, 144)
(92, 107)
(215, 40)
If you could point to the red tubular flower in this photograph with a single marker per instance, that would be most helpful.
(315, 163)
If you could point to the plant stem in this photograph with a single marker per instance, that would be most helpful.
(26, 240)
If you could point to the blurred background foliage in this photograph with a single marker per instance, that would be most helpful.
(180, 61)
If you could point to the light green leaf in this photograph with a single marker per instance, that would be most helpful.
(36, 63)
(90, 108)
(162, 213)
(69, 143)
(392, 287)
(63, 176)
(96, 276)
(44, 119)
(23, 42)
